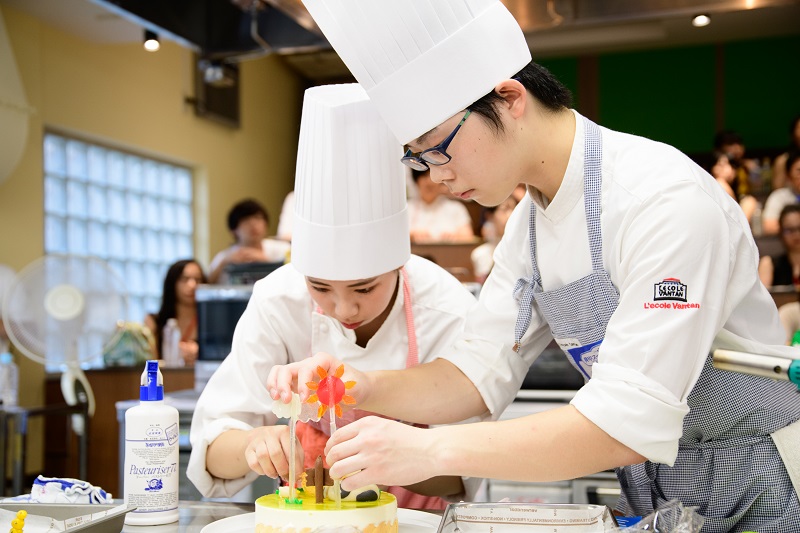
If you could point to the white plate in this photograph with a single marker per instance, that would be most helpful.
(410, 521)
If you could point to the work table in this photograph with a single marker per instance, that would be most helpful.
(194, 516)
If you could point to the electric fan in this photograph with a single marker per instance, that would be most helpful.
(61, 311)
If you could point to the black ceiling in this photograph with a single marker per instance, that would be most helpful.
(217, 28)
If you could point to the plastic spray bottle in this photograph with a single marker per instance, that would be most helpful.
(151, 454)
(170, 344)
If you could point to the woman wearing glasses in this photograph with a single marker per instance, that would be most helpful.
(624, 251)
(784, 269)
(784, 196)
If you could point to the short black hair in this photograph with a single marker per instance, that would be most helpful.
(538, 81)
(726, 138)
(245, 208)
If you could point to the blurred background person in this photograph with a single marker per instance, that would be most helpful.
(248, 221)
(434, 217)
(780, 198)
(747, 171)
(779, 165)
(784, 269)
(487, 225)
(790, 318)
(483, 256)
(723, 171)
(178, 302)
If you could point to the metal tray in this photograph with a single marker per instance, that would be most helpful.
(85, 518)
(515, 517)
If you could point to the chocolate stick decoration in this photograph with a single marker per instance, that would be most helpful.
(319, 478)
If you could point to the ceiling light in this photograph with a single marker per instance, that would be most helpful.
(151, 43)
(701, 20)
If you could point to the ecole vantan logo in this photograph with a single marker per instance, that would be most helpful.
(670, 290)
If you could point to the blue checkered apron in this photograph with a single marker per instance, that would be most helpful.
(727, 464)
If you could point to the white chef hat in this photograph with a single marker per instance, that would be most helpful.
(422, 61)
(350, 217)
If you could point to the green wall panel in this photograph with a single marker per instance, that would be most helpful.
(566, 71)
(665, 95)
(762, 89)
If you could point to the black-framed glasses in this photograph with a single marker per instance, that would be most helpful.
(436, 155)
(790, 230)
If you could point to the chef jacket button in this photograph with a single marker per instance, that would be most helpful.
(323, 328)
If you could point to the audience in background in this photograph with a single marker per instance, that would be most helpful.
(723, 171)
(779, 177)
(178, 302)
(780, 198)
(784, 269)
(434, 217)
(487, 224)
(483, 256)
(284, 232)
(731, 143)
(248, 221)
(790, 318)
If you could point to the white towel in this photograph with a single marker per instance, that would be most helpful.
(63, 490)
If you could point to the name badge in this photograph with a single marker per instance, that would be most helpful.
(582, 357)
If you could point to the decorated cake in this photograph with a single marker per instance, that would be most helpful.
(277, 514)
(319, 504)
(315, 508)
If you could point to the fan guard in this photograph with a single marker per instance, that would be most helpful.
(63, 309)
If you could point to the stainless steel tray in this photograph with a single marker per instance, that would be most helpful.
(86, 518)
(528, 517)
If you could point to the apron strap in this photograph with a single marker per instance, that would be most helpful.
(525, 288)
(413, 351)
(592, 189)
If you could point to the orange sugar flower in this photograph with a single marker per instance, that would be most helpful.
(331, 391)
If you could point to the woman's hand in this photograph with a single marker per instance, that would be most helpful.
(188, 351)
(379, 451)
(284, 379)
(268, 452)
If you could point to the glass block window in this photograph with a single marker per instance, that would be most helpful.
(129, 210)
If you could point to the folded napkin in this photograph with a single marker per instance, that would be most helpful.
(63, 490)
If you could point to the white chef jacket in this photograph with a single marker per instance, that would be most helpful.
(662, 217)
(280, 326)
(441, 216)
